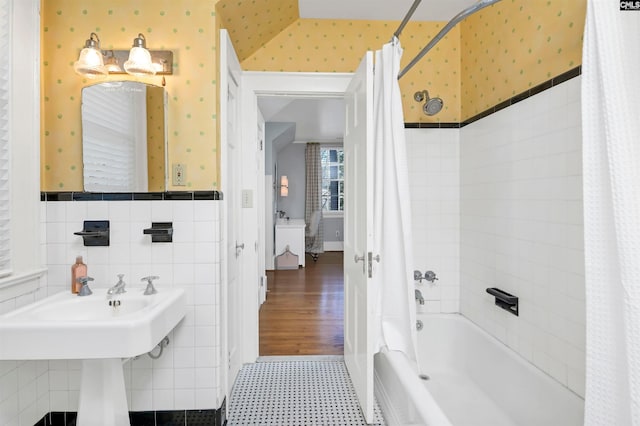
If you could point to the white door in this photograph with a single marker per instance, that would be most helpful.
(358, 226)
(230, 171)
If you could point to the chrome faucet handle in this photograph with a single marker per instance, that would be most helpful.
(430, 276)
(150, 288)
(417, 276)
(84, 290)
(120, 285)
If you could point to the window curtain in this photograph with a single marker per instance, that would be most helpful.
(611, 173)
(314, 238)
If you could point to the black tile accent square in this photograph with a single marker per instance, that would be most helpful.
(146, 196)
(567, 75)
(541, 87)
(59, 196)
(170, 418)
(87, 196)
(202, 418)
(142, 418)
(117, 196)
(178, 195)
(207, 195)
(502, 105)
(57, 418)
(71, 419)
(520, 97)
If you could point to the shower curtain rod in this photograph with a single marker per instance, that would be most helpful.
(408, 16)
(452, 23)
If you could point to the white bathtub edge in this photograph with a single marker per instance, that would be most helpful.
(386, 405)
(418, 402)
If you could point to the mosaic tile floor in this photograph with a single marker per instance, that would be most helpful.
(296, 392)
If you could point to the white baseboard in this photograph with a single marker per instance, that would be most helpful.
(334, 246)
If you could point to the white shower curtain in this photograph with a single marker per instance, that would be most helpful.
(392, 206)
(611, 156)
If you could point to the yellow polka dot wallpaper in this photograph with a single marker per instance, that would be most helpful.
(186, 27)
(514, 45)
(252, 23)
(493, 55)
(321, 45)
(155, 139)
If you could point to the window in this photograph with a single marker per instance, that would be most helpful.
(332, 160)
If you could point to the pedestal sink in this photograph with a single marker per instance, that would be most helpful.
(100, 331)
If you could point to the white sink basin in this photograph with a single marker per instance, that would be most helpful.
(66, 326)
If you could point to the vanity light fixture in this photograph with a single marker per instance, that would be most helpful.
(284, 186)
(111, 63)
(91, 63)
(138, 61)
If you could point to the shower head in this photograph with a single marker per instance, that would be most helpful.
(432, 106)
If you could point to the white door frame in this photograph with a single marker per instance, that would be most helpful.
(254, 84)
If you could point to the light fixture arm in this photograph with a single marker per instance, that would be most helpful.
(140, 41)
(93, 42)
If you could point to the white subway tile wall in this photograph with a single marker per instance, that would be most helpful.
(24, 385)
(522, 229)
(186, 376)
(434, 179)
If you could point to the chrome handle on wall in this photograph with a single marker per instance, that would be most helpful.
(239, 247)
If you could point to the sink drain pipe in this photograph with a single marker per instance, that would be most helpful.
(163, 344)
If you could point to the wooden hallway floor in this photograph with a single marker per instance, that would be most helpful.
(303, 314)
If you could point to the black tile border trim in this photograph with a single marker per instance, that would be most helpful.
(572, 73)
(130, 196)
(213, 417)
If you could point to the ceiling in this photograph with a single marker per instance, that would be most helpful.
(383, 10)
(303, 120)
(323, 119)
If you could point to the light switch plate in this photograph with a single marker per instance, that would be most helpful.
(247, 198)
(179, 174)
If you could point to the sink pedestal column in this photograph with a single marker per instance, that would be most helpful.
(103, 399)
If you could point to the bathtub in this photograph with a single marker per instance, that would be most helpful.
(473, 380)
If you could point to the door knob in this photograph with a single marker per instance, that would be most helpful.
(357, 258)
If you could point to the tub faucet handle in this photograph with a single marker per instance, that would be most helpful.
(430, 276)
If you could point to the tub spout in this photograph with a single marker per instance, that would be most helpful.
(419, 297)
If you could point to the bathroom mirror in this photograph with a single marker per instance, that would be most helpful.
(124, 137)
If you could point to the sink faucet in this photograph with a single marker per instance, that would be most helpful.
(118, 288)
(84, 289)
(419, 297)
